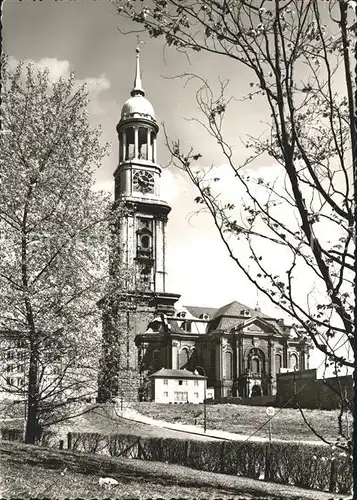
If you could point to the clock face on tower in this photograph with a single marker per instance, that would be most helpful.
(143, 181)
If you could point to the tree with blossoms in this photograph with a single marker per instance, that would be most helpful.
(54, 244)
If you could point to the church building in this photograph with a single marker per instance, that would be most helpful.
(239, 349)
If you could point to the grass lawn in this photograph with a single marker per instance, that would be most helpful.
(31, 471)
(287, 424)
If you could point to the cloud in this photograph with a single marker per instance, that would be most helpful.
(62, 69)
(105, 185)
(171, 184)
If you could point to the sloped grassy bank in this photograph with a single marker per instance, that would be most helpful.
(47, 472)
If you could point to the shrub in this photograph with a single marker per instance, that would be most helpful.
(118, 443)
(298, 464)
(12, 434)
(88, 442)
(48, 438)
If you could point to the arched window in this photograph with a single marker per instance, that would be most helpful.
(255, 365)
(143, 143)
(183, 358)
(129, 146)
(294, 364)
(145, 241)
(278, 363)
(256, 391)
(256, 362)
(228, 365)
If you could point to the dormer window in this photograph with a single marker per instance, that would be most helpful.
(204, 316)
(181, 314)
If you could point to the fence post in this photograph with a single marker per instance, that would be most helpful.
(69, 440)
(267, 462)
(333, 476)
(188, 447)
(222, 458)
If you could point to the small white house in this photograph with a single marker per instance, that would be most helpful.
(177, 386)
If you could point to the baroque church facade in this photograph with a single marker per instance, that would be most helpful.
(238, 348)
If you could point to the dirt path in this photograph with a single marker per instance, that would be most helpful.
(102, 421)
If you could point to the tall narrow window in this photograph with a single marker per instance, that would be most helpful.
(183, 358)
(278, 363)
(294, 365)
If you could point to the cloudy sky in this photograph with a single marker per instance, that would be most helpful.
(83, 36)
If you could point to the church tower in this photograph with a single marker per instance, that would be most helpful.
(139, 251)
(137, 188)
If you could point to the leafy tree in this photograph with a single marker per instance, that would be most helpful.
(53, 253)
(297, 52)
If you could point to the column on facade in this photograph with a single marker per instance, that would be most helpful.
(273, 371)
(136, 142)
(168, 360)
(123, 145)
(302, 360)
(285, 354)
(235, 367)
(270, 363)
(164, 240)
(141, 354)
(148, 140)
(131, 243)
(154, 150)
(123, 239)
(174, 356)
(159, 258)
(218, 361)
(240, 357)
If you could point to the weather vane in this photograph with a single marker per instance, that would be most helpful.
(138, 43)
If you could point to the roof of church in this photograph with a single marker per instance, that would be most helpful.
(230, 315)
(196, 311)
(235, 309)
(137, 104)
(165, 372)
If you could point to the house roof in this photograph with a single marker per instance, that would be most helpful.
(166, 373)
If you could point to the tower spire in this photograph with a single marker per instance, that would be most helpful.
(138, 86)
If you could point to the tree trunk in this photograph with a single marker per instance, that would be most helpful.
(33, 431)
